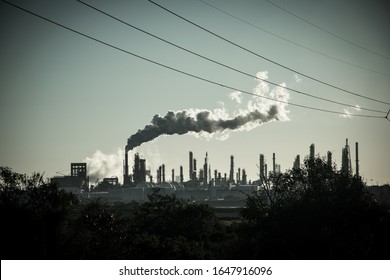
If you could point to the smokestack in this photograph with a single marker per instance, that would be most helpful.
(126, 179)
(231, 175)
(329, 160)
(191, 165)
(244, 177)
(261, 166)
(239, 176)
(297, 163)
(159, 171)
(173, 175)
(181, 174)
(273, 163)
(205, 170)
(312, 151)
(182, 122)
(346, 166)
(265, 171)
(194, 173)
(163, 173)
(142, 170)
(357, 159)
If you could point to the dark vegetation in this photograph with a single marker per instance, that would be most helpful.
(311, 213)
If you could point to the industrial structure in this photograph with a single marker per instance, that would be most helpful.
(77, 181)
(201, 185)
(346, 166)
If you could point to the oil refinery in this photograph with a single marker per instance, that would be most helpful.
(203, 184)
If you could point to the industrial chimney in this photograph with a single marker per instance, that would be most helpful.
(126, 178)
(312, 151)
(191, 165)
(273, 163)
(231, 174)
(262, 175)
(329, 160)
(346, 167)
(181, 174)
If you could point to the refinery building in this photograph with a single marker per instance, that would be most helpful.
(203, 184)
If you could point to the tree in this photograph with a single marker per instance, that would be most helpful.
(166, 227)
(32, 215)
(315, 212)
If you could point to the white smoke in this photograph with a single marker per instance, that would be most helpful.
(236, 96)
(208, 123)
(101, 165)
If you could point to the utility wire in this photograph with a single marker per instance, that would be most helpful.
(265, 58)
(183, 72)
(290, 41)
(326, 31)
(224, 65)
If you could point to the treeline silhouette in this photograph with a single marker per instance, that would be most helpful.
(314, 212)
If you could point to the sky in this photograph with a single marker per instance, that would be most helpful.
(66, 98)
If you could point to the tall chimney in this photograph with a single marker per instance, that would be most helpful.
(194, 171)
(142, 170)
(173, 175)
(329, 158)
(262, 177)
(231, 175)
(273, 163)
(312, 151)
(205, 167)
(163, 173)
(357, 159)
(159, 174)
(191, 165)
(126, 178)
(181, 174)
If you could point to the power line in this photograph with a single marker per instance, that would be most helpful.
(290, 41)
(183, 72)
(265, 58)
(327, 31)
(221, 64)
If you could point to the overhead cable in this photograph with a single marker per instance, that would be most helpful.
(224, 65)
(186, 73)
(327, 31)
(291, 41)
(265, 58)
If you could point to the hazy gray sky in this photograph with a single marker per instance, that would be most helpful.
(65, 97)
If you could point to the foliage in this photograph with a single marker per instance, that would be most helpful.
(310, 213)
(315, 213)
(167, 227)
(32, 214)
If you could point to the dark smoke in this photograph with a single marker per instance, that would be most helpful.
(204, 121)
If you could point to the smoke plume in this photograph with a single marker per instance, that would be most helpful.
(257, 112)
(101, 165)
